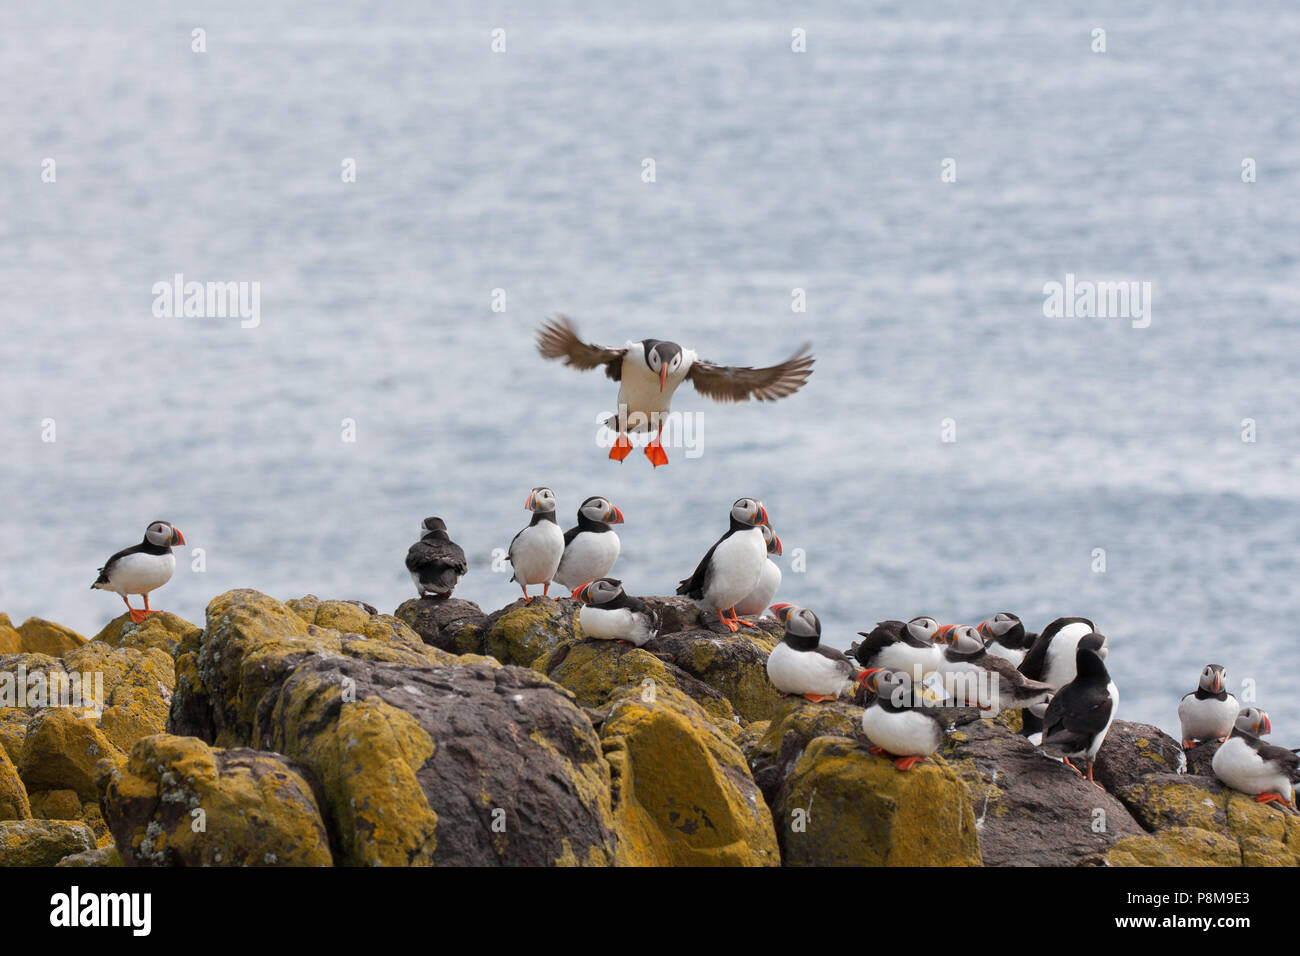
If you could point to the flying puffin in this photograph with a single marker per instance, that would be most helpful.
(801, 665)
(732, 567)
(610, 614)
(1247, 764)
(536, 551)
(768, 580)
(897, 725)
(142, 568)
(1080, 713)
(591, 546)
(1052, 656)
(1006, 637)
(1209, 712)
(894, 645)
(435, 561)
(649, 371)
(975, 677)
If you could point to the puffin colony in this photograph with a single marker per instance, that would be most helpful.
(903, 671)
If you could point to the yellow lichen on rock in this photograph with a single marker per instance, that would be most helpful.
(523, 634)
(61, 752)
(1177, 846)
(14, 803)
(162, 630)
(42, 842)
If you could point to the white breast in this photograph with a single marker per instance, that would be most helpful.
(1014, 656)
(1114, 708)
(619, 624)
(590, 555)
(760, 599)
(735, 568)
(1207, 719)
(1241, 768)
(140, 573)
(536, 553)
(1060, 665)
(903, 733)
(805, 672)
(906, 658)
(638, 388)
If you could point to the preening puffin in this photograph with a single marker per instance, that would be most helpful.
(535, 551)
(731, 568)
(648, 373)
(1080, 713)
(142, 568)
(591, 546)
(435, 561)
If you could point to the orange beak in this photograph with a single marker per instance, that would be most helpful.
(865, 678)
(582, 594)
(1268, 724)
(663, 376)
(614, 516)
(528, 502)
(944, 634)
(177, 537)
(762, 516)
(776, 544)
(781, 611)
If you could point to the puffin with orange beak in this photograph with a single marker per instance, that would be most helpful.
(1209, 712)
(908, 647)
(1247, 764)
(800, 665)
(897, 722)
(590, 547)
(608, 613)
(143, 568)
(768, 580)
(648, 373)
(731, 568)
(535, 552)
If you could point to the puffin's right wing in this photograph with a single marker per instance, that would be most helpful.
(693, 587)
(558, 339)
(1075, 716)
(739, 383)
(425, 553)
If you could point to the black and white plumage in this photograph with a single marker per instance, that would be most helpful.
(436, 563)
(1005, 635)
(1209, 712)
(535, 551)
(142, 568)
(591, 546)
(769, 579)
(1031, 721)
(974, 677)
(894, 645)
(800, 665)
(648, 373)
(1052, 656)
(732, 567)
(897, 722)
(1247, 764)
(611, 614)
(1081, 712)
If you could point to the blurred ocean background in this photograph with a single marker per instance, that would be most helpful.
(775, 170)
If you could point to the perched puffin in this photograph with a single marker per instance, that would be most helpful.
(435, 561)
(1006, 637)
(894, 645)
(535, 551)
(1209, 712)
(801, 665)
(591, 546)
(1051, 658)
(1246, 763)
(1031, 721)
(769, 579)
(610, 614)
(142, 568)
(733, 566)
(648, 373)
(898, 725)
(975, 677)
(1080, 713)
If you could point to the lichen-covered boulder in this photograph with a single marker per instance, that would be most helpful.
(61, 752)
(178, 802)
(735, 665)
(138, 681)
(14, 803)
(682, 793)
(794, 724)
(42, 842)
(1132, 751)
(37, 636)
(842, 806)
(1177, 846)
(453, 625)
(29, 681)
(56, 805)
(11, 642)
(523, 634)
(100, 856)
(13, 732)
(162, 630)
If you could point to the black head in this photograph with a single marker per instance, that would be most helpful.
(1090, 668)
(433, 525)
(1005, 628)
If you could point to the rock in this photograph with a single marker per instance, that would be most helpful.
(11, 642)
(61, 752)
(27, 681)
(137, 685)
(842, 806)
(1178, 846)
(13, 732)
(735, 665)
(676, 614)
(56, 805)
(42, 842)
(1132, 751)
(38, 636)
(453, 625)
(253, 808)
(14, 804)
(682, 794)
(1031, 810)
(100, 856)
(1200, 759)
(795, 724)
(522, 634)
(162, 630)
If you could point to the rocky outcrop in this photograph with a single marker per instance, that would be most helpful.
(42, 842)
(37, 636)
(452, 625)
(733, 664)
(14, 803)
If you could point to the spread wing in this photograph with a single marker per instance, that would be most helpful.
(737, 383)
(558, 339)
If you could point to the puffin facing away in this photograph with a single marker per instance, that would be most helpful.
(1080, 713)
(143, 568)
(648, 373)
(800, 665)
(435, 561)
(1209, 712)
(769, 579)
(535, 551)
(610, 614)
(898, 725)
(1247, 764)
(731, 568)
(590, 547)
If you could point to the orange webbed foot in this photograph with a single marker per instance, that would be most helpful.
(907, 763)
(655, 452)
(819, 698)
(1189, 744)
(878, 751)
(622, 447)
(1270, 798)
(138, 616)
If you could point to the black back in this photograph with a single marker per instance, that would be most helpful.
(1035, 663)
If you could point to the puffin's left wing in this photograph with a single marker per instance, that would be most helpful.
(738, 383)
(558, 339)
